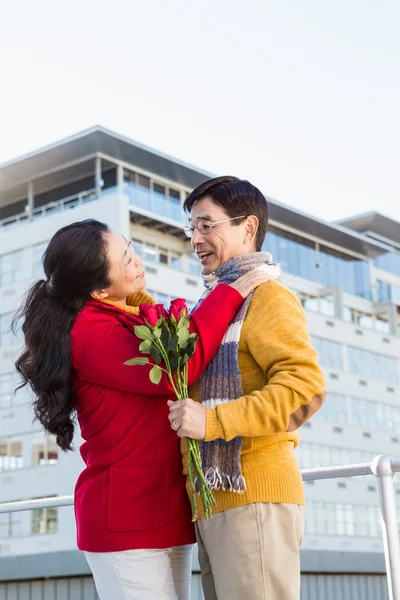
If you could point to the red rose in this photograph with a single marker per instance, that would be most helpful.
(162, 313)
(150, 314)
(178, 308)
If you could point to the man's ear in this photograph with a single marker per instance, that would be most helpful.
(251, 227)
(99, 294)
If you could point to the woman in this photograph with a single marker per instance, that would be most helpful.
(132, 513)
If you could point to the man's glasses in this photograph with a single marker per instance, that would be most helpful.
(206, 227)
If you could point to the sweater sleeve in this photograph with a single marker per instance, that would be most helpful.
(101, 346)
(278, 341)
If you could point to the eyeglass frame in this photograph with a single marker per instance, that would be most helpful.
(189, 229)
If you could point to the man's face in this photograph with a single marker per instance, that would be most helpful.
(225, 240)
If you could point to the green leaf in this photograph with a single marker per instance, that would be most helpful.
(173, 361)
(145, 346)
(157, 333)
(183, 336)
(136, 361)
(185, 359)
(155, 355)
(173, 341)
(142, 332)
(183, 322)
(155, 375)
(165, 336)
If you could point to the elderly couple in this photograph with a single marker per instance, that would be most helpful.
(249, 396)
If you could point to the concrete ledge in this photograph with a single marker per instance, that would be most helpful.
(72, 563)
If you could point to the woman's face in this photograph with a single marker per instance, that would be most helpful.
(125, 269)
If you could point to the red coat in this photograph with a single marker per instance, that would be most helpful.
(131, 495)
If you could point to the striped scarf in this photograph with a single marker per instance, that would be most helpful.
(221, 380)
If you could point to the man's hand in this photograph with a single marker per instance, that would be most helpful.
(188, 418)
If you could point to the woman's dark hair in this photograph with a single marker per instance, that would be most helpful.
(75, 264)
(237, 197)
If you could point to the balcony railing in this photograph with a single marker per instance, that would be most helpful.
(49, 209)
(382, 466)
(153, 202)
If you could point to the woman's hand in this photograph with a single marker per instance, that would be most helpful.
(249, 281)
(188, 418)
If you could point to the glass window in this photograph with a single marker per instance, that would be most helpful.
(44, 450)
(334, 409)
(175, 260)
(157, 254)
(388, 262)
(329, 353)
(159, 200)
(10, 524)
(150, 252)
(7, 337)
(382, 323)
(8, 383)
(163, 256)
(326, 306)
(38, 252)
(163, 299)
(175, 196)
(320, 514)
(144, 181)
(295, 254)
(308, 302)
(337, 268)
(44, 520)
(310, 518)
(137, 247)
(11, 454)
(370, 364)
(11, 267)
(194, 265)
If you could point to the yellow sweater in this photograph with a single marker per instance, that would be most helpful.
(282, 385)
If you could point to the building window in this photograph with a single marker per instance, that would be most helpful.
(390, 261)
(8, 383)
(11, 457)
(147, 194)
(295, 254)
(7, 338)
(157, 254)
(44, 450)
(44, 520)
(194, 265)
(11, 267)
(377, 322)
(10, 525)
(329, 353)
(334, 409)
(327, 518)
(352, 274)
(371, 364)
(324, 305)
(38, 252)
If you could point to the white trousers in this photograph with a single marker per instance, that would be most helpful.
(142, 574)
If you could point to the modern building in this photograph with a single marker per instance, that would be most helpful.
(347, 276)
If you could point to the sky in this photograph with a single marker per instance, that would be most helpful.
(301, 97)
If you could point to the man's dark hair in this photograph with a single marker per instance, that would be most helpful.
(237, 197)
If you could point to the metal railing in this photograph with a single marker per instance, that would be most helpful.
(50, 208)
(382, 466)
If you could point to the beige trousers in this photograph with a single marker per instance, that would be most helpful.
(142, 574)
(251, 552)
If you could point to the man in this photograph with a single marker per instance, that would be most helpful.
(262, 385)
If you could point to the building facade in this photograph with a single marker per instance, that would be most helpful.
(347, 277)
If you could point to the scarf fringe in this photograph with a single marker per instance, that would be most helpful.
(222, 481)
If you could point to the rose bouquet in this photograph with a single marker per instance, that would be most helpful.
(166, 338)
